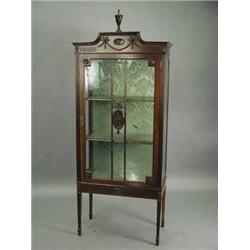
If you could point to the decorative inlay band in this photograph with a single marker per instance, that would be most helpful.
(132, 41)
(88, 49)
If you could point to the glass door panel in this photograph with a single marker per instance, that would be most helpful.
(140, 116)
(118, 79)
(98, 79)
(99, 122)
(118, 161)
(118, 102)
(138, 162)
(140, 80)
(100, 159)
(119, 119)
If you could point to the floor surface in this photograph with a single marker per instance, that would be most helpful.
(123, 223)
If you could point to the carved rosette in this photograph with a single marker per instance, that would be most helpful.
(87, 175)
(148, 180)
(86, 62)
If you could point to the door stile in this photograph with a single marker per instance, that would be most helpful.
(125, 117)
(158, 101)
(111, 115)
(77, 112)
(166, 81)
(82, 118)
(164, 124)
(88, 124)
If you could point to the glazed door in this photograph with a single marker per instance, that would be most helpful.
(119, 119)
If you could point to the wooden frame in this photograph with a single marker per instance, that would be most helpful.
(124, 45)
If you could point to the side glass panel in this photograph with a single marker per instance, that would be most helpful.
(99, 159)
(165, 124)
(119, 105)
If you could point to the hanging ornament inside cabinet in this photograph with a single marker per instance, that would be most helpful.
(118, 119)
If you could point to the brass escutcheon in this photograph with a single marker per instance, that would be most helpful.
(81, 122)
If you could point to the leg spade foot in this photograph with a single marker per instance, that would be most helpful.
(162, 223)
(90, 206)
(79, 213)
(157, 241)
(157, 238)
(163, 209)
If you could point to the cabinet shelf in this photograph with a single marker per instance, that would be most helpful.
(95, 136)
(131, 138)
(99, 98)
(121, 98)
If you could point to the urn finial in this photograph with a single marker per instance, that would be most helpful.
(118, 19)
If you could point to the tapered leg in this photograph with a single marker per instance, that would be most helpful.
(79, 213)
(157, 239)
(90, 206)
(163, 209)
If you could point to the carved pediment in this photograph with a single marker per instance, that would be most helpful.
(121, 42)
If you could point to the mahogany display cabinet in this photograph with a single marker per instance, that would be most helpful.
(122, 86)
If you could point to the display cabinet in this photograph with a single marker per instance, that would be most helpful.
(122, 87)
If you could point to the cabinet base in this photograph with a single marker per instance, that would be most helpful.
(149, 193)
(146, 192)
